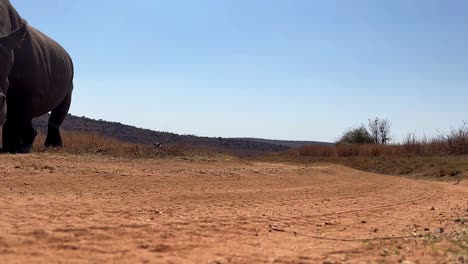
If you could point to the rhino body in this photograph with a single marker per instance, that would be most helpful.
(40, 81)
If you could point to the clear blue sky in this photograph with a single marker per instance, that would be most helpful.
(295, 69)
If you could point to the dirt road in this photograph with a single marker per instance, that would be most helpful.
(74, 209)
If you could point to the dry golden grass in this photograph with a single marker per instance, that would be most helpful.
(391, 160)
(436, 147)
(90, 143)
(453, 143)
(442, 157)
(446, 168)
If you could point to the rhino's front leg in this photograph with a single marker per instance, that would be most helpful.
(18, 137)
(11, 136)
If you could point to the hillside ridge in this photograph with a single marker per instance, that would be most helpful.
(128, 133)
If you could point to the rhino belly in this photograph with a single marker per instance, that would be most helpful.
(47, 98)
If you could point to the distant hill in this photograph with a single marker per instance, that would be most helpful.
(287, 143)
(236, 146)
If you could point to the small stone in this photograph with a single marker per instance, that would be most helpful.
(363, 222)
(384, 252)
(26, 183)
(426, 229)
(432, 208)
(440, 230)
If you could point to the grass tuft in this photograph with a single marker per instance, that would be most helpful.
(91, 143)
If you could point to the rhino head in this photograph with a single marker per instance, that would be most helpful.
(7, 46)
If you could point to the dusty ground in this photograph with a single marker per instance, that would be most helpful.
(62, 208)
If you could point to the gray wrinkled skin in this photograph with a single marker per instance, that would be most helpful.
(36, 76)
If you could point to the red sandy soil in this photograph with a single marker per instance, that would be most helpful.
(57, 208)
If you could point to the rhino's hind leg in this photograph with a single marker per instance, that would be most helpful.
(57, 117)
(53, 135)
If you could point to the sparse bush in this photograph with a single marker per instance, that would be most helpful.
(358, 135)
(376, 132)
(456, 142)
(358, 142)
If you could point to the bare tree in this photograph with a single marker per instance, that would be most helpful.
(384, 131)
(379, 130)
(373, 129)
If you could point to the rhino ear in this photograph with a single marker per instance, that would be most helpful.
(15, 38)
